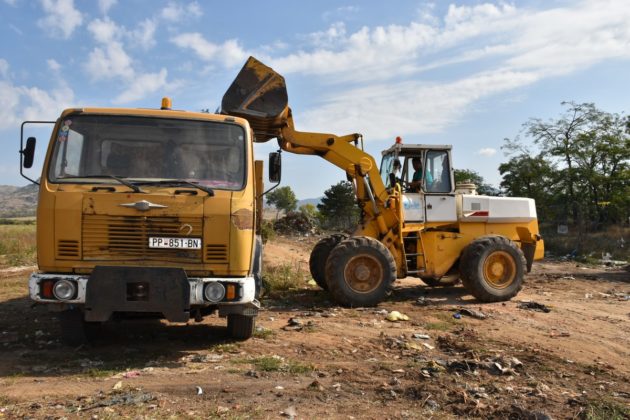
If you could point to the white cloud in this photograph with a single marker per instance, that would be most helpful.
(4, 68)
(144, 35)
(53, 65)
(21, 103)
(487, 152)
(109, 61)
(507, 47)
(230, 53)
(104, 30)
(61, 18)
(143, 85)
(11, 2)
(176, 12)
(105, 5)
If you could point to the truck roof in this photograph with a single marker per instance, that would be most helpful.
(409, 149)
(160, 113)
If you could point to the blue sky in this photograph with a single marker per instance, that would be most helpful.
(461, 73)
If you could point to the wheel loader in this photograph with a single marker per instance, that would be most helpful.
(417, 223)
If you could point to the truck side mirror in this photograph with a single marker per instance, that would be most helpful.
(275, 167)
(29, 152)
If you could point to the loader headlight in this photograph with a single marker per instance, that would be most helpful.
(214, 292)
(65, 289)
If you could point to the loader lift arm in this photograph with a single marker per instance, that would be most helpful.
(259, 95)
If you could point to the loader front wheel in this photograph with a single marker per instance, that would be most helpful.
(319, 256)
(360, 272)
(492, 268)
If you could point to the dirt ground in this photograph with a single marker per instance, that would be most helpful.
(570, 362)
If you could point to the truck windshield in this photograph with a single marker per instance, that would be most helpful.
(148, 149)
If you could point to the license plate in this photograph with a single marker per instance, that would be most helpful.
(174, 243)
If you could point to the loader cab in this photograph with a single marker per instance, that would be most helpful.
(425, 179)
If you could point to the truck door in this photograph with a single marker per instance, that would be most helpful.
(438, 187)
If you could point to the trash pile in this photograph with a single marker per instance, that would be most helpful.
(295, 223)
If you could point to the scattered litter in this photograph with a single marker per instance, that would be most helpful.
(429, 346)
(312, 282)
(279, 388)
(121, 399)
(472, 313)
(131, 374)
(294, 324)
(395, 316)
(252, 374)
(289, 412)
(117, 385)
(457, 315)
(418, 336)
(199, 390)
(316, 386)
(337, 386)
(534, 306)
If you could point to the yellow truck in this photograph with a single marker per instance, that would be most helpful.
(148, 212)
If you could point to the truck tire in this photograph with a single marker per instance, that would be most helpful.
(360, 272)
(319, 256)
(241, 327)
(75, 331)
(492, 268)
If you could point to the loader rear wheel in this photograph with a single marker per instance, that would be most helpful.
(319, 256)
(359, 272)
(492, 268)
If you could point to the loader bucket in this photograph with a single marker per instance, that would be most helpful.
(259, 95)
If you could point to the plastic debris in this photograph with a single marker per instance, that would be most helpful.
(117, 385)
(289, 412)
(534, 306)
(199, 390)
(395, 316)
(131, 374)
(457, 315)
(418, 336)
(472, 313)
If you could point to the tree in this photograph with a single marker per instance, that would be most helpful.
(532, 177)
(468, 175)
(338, 207)
(282, 198)
(589, 150)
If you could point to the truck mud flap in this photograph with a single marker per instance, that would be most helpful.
(138, 289)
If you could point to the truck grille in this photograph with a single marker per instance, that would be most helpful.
(216, 254)
(67, 249)
(111, 238)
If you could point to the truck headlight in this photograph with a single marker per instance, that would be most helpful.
(214, 291)
(64, 289)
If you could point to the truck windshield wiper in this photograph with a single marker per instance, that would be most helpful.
(126, 183)
(208, 190)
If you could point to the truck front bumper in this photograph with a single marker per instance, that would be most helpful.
(168, 291)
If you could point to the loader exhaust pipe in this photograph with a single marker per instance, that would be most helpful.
(259, 95)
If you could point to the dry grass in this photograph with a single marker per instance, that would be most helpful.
(615, 240)
(17, 245)
(284, 277)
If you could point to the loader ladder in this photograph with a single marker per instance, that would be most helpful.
(414, 259)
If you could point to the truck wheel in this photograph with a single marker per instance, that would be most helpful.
(75, 330)
(492, 268)
(360, 271)
(319, 256)
(241, 327)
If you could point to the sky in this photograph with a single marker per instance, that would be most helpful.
(466, 73)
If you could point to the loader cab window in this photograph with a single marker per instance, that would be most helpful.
(438, 169)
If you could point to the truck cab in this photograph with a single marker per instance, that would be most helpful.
(148, 212)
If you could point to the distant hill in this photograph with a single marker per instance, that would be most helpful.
(18, 201)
